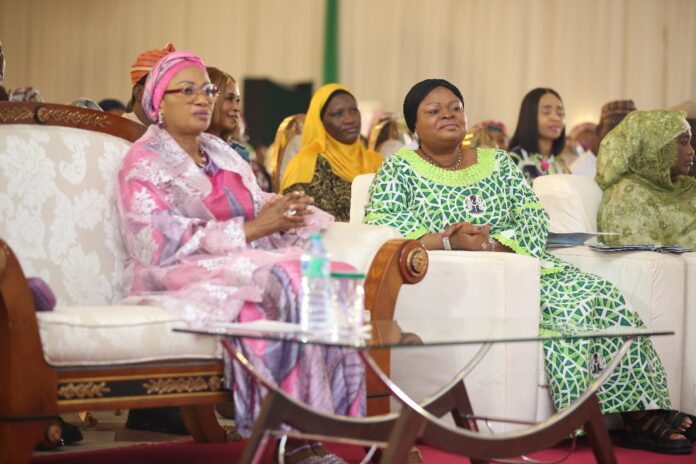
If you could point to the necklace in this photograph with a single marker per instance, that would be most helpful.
(204, 159)
(454, 166)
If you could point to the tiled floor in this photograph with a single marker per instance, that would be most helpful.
(110, 431)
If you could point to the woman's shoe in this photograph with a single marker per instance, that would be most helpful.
(52, 438)
(327, 456)
(675, 419)
(59, 433)
(651, 432)
(71, 433)
(414, 456)
(301, 455)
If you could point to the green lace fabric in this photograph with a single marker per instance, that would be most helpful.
(641, 202)
(416, 198)
(330, 192)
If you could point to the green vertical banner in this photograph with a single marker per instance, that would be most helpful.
(331, 42)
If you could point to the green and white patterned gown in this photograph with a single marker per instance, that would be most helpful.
(417, 198)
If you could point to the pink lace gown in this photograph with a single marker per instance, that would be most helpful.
(187, 253)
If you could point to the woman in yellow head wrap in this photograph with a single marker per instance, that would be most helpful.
(332, 153)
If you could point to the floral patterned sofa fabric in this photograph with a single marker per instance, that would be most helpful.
(59, 210)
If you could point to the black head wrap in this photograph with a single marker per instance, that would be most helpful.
(418, 92)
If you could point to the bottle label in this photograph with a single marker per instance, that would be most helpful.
(315, 268)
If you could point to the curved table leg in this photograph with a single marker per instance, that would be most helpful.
(583, 413)
(421, 421)
(279, 409)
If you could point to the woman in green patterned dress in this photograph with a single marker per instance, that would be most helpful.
(643, 167)
(453, 197)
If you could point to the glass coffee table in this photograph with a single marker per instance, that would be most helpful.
(423, 422)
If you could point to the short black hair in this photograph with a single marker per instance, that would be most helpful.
(328, 100)
(527, 131)
(417, 94)
(111, 103)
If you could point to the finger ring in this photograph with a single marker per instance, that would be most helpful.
(291, 212)
(484, 246)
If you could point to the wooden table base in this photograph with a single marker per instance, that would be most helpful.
(420, 423)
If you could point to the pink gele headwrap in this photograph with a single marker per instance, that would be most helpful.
(159, 78)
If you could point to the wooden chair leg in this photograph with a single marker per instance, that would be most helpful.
(18, 439)
(201, 422)
(598, 436)
(403, 436)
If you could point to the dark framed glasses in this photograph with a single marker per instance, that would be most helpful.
(189, 92)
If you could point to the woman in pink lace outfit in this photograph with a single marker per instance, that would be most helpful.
(206, 244)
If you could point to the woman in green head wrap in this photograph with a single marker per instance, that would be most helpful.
(643, 167)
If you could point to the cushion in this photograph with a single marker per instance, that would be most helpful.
(359, 195)
(469, 285)
(572, 201)
(357, 244)
(107, 335)
(689, 379)
(58, 208)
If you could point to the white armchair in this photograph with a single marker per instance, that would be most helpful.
(58, 172)
(469, 284)
(654, 284)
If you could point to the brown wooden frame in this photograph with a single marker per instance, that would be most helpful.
(33, 393)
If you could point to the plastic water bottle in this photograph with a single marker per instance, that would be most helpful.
(349, 302)
(316, 312)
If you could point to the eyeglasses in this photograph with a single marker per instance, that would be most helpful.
(189, 92)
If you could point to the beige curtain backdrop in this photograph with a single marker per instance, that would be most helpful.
(495, 51)
(84, 48)
(590, 51)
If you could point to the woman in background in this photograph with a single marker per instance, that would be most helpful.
(331, 154)
(540, 135)
(643, 167)
(226, 122)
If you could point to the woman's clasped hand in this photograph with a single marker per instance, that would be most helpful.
(467, 236)
(281, 213)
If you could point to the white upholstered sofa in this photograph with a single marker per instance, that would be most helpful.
(58, 169)
(463, 285)
(661, 287)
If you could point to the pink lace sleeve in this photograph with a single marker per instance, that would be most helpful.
(156, 233)
(319, 221)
